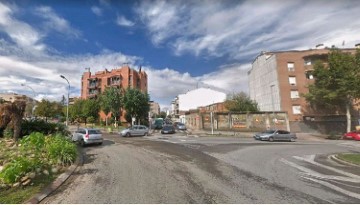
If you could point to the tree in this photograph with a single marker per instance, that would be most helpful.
(110, 101)
(90, 108)
(337, 84)
(136, 104)
(241, 102)
(48, 109)
(162, 114)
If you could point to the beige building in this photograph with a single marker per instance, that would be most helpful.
(277, 81)
(154, 108)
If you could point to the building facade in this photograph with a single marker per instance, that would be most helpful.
(277, 81)
(154, 108)
(92, 85)
(193, 99)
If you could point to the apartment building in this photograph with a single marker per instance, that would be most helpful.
(277, 80)
(154, 108)
(92, 85)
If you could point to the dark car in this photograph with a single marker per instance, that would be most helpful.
(168, 129)
(275, 135)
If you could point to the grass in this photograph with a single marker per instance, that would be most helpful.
(20, 195)
(351, 158)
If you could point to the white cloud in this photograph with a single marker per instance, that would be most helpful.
(122, 21)
(55, 22)
(240, 30)
(20, 32)
(96, 10)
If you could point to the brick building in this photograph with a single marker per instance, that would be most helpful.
(125, 77)
(277, 80)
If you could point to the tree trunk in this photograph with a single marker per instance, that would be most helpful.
(348, 117)
(115, 122)
(106, 121)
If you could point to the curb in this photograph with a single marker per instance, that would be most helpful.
(58, 181)
(333, 157)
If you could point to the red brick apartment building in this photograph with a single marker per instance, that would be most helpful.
(277, 80)
(125, 77)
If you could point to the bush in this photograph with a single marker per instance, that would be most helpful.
(14, 170)
(60, 150)
(8, 133)
(334, 136)
(47, 128)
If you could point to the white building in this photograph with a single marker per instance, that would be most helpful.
(200, 97)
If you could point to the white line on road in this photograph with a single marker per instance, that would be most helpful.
(310, 159)
(331, 186)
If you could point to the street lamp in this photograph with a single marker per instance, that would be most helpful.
(34, 94)
(272, 102)
(67, 107)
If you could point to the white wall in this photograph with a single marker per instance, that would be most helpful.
(200, 97)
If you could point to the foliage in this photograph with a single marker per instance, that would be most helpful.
(8, 132)
(14, 170)
(90, 119)
(60, 150)
(38, 151)
(110, 101)
(241, 102)
(136, 103)
(90, 108)
(336, 84)
(48, 109)
(350, 157)
(162, 115)
(28, 127)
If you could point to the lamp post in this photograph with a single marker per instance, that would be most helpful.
(67, 106)
(34, 94)
(272, 102)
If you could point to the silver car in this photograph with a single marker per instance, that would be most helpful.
(86, 136)
(135, 130)
(275, 135)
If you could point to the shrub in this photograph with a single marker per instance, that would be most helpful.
(28, 127)
(16, 169)
(8, 133)
(61, 150)
(334, 136)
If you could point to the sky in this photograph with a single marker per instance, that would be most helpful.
(180, 44)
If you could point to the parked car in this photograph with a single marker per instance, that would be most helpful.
(135, 130)
(353, 135)
(168, 129)
(180, 126)
(275, 135)
(86, 136)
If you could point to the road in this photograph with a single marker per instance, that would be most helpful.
(189, 169)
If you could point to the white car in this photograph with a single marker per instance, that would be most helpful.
(135, 130)
(86, 136)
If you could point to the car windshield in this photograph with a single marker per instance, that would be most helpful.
(168, 127)
(180, 124)
(94, 132)
(268, 131)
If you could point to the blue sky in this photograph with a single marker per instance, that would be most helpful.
(180, 44)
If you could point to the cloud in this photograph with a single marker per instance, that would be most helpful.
(122, 21)
(19, 32)
(96, 10)
(240, 30)
(55, 22)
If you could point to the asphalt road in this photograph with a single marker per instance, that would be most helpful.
(189, 169)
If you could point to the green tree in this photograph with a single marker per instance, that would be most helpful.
(241, 102)
(337, 84)
(47, 109)
(110, 101)
(90, 108)
(136, 104)
(162, 115)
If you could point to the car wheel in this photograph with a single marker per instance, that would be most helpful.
(128, 134)
(292, 140)
(146, 134)
(271, 139)
(82, 143)
(100, 143)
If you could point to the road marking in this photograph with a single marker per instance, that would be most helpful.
(331, 186)
(310, 159)
(312, 173)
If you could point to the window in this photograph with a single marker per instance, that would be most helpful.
(307, 62)
(294, 94)
(291, 66)
(292, 80)
(309, 75)
(296, 109)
